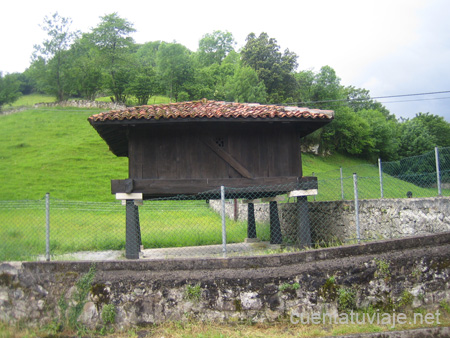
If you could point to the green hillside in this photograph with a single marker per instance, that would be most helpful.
(56, 150)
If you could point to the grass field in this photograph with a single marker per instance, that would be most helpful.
(32, 99)
(90, 226)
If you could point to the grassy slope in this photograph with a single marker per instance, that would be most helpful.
(56, 150)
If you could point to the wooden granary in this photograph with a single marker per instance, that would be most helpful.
(188, 148)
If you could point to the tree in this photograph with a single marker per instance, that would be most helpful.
(274, 68)
(26, 83)
(146, 54)
(112, 39)
(359, 99)
(52, 66)
(415, 138)
(213, 48)
(87, 75)
(348, 133)
(174, 66)
(9, 89)
(144, 84)
(437, 127)
(383, 132)
(327, 91)
(245, 86)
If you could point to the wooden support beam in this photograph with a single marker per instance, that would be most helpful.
(151, 188)
(132, 196)
(275, 229)
(251, 224)
(227, 157)
(298, 193)
(132, 233)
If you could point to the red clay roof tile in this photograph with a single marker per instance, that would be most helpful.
(211, 109)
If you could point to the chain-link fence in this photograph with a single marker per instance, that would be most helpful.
(346, 208)
(421, 176)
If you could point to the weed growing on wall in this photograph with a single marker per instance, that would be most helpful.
(69, 314)
(445, 305)
(289, 287)
(406, 299)
(383, 270)
(193, 292)
(108, 314)
(346, 299)
(83, 286)
(329, 289)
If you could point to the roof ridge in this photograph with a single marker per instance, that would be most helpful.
(211, 109)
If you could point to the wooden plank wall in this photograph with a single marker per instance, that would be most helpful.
(180, 151)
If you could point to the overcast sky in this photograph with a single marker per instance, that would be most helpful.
(390, 47)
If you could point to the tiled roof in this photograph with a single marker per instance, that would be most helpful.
(211, 109)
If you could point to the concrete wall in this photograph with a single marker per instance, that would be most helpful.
(335, 220)
(257, 289)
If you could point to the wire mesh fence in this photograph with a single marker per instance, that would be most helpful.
(346, 208)
(426, 175)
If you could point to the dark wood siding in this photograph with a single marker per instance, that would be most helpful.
(190, 152)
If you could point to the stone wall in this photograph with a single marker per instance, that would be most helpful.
(82, 104)
(335, 220)
(256, 289)
(69, 103)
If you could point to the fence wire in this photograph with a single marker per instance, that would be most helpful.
(348, 208)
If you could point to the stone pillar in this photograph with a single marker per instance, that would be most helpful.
(133, 231)
(275, 228)
(251, 223)
(304, 228)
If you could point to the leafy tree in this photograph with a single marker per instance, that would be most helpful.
(274, 68)
(304, 89)
(204, 82)
(27, 85)
(383, 132)
(146, 54)
(87, 75)
(415, 139)
(145, 84)
(210, 82)
(245, 86)
(438, 128)
(174, 67)
(351, 132)
(213, 48)
(327, 91)
(51, 62)
(359, 99)
(9, 89)
(112, 39)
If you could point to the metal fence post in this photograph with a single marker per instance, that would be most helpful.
(47, 227)
(355, 186)
(438, 171)
(380, 170)
(224, 226)
(313, 175)
(342, 183)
